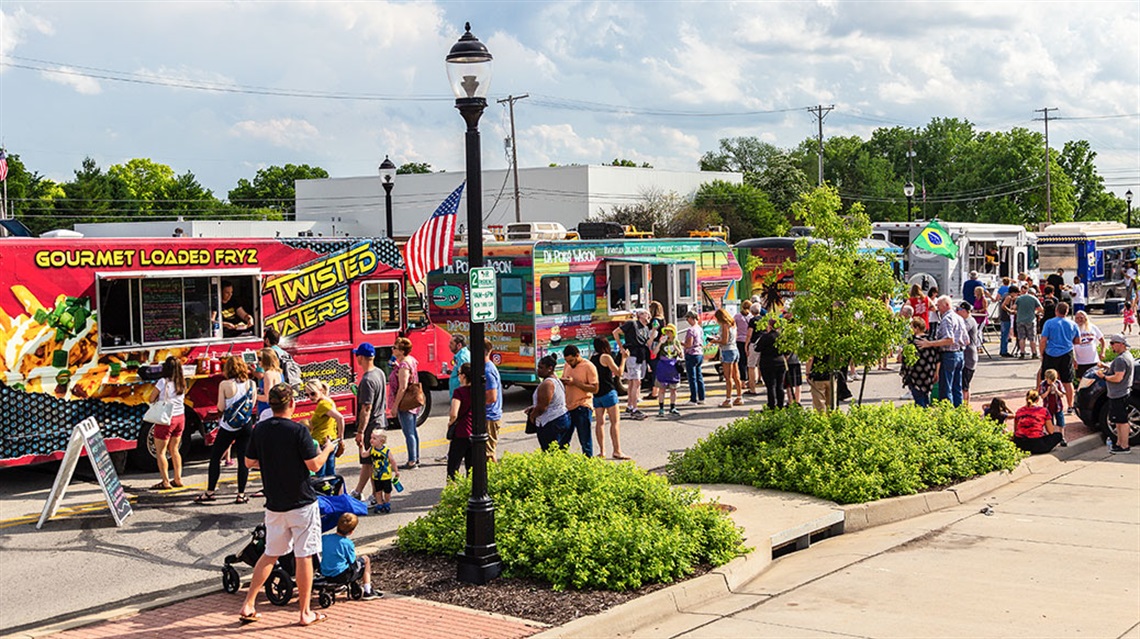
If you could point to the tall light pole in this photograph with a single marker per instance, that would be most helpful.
(908, 191)
(469, 71)
(388, 177)
(1128, 198)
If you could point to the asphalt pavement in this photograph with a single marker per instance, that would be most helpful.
(171, 544)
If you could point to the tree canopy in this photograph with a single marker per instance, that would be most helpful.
(274, 187)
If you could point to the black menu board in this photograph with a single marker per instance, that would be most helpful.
(162, 310)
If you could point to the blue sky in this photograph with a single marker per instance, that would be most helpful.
(657, 82)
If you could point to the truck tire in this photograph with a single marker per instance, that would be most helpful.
(143, 458)
(428, 384)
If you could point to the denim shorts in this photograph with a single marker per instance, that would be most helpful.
(729, 357)
(606, 400)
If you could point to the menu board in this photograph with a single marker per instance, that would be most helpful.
(87, 436)
(162, 310)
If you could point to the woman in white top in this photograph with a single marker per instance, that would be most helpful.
(234, 389)
(1087, 352)
(549, 409)
(171, 388)
(729, 355)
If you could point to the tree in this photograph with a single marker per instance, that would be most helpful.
(413, 167)
(1091, 201)
(747, 155)
(274, 187)
(656, 211)
(744, 208)
(841, 317)
(146, 182)
(783, 182)
(31, 196)
(629, 163)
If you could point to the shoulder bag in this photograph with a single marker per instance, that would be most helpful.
(413, 394)
(161, 411)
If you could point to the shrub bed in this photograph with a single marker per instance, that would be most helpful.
(868, 453)
(577, 522)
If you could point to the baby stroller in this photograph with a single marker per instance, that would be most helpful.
(280, 586)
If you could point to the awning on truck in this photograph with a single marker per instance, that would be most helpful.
(205, 272)
(646, 260)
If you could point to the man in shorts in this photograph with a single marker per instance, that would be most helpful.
(970, 352)
(1058, 337)
(370, 397)
(1028, 307)
(635, 335)
(1119, 380)
(285, 454)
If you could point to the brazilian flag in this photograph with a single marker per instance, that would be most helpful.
(936, 239)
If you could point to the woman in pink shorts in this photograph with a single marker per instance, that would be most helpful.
(171, 387)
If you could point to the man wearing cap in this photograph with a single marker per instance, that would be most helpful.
(635, 333)
(970, 352)
(1119, 380)
(952, 338)
(370, 394)
(285, 454)
(1058, 336)
(580, 377)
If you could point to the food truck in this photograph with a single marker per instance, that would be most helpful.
(993, 250)
(552, 293)
(775, 254)
(84, 321)
(1098, 252)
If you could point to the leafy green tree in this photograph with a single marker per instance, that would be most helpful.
(783, 181)
(93, 196)
(744, 208)
(1091, 201)
(274, 187)
(657, 211)
(413, 167)
(747, 155)
(146, 182)
(629, 163)
(842, 316)
(31, 196)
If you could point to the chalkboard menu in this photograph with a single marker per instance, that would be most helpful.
(162, 310)
(87, 436)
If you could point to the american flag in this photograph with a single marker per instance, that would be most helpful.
(433, 245)
(3, 165)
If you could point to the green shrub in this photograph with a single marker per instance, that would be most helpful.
(868, 453)
(578, 522)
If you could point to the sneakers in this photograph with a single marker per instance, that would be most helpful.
(1117, 450)
(382, 508)
(637, 414)
(1022, 356)
(355, 495)
(692, 402)
(371, 595)
(661, 412)
(674, 411)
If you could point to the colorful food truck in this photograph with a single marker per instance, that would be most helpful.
(81, 320)
(553, 293)
(1099, 252)
(775, 254)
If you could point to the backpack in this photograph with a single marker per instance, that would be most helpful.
(239, 414)
(290, 368)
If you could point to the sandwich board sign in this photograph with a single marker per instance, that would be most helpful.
(482, 288)
(86, 436)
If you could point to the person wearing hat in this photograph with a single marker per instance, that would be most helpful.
(668, 352)
(370, 396)
(970, 352)
(1118, 376)
(580, 377)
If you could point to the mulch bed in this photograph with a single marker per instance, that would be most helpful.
(434, 578)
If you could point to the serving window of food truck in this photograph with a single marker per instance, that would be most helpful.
(380, 306)
(164, 308)
(627, 289)
(573, 293)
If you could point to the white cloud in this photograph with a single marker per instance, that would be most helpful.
(73, 78)
(282, 132)
(14, 26)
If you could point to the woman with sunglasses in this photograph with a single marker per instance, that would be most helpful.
(326, 423)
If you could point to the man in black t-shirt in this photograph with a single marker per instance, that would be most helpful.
(285, 453)
(235, 321)
(635, 334)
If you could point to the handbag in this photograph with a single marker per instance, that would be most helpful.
(413, 397)
(239, 414)
(531, 426)
(160, 412)
(450, 431)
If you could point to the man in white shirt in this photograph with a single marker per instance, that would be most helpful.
(1078, 294)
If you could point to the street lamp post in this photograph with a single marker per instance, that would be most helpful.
(1128, 198)
(908, 191)
(469, 72)
(388, 177)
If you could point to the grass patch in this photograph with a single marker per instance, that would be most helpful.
(578, 522)
(865, 454)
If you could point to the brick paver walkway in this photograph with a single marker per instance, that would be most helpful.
(392, 618)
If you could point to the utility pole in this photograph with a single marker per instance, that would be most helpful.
(820, 112)
(510, 100)
(1048, 190)
(910, 167)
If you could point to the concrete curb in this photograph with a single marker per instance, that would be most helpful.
(886, 511)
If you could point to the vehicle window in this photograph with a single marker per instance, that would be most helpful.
(512, 294)
(555, 295)
(583, 297)
(380, 306)
(144, 311)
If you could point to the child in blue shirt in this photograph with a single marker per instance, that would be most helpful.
(339, 563)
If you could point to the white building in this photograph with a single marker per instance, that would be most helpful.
(209, 228)
(564, 194)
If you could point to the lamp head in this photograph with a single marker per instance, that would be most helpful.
(387, 171)
(908, 189)
(1128, 196)
(469, 67)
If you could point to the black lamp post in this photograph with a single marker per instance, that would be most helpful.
(388, 177)
(1128, 198)
(908, 191)
(469, 71)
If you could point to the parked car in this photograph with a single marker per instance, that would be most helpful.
(1091, 405)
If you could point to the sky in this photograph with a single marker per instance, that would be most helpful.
(222, 89)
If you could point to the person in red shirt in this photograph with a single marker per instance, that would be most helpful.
(920, 303)
(1033, 428)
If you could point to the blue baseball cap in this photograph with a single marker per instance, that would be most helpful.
(365, 349)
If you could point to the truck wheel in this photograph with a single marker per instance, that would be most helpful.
(142, 456)
(428, 385)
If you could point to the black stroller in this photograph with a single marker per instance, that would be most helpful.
(281, 585)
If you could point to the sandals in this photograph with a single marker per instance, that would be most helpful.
(162, 486)
(205, 498)
(739, 401)
(726, 404)
(241, 499)
(250, 618)
(622, 457)
(320, 617)
(177, 484)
